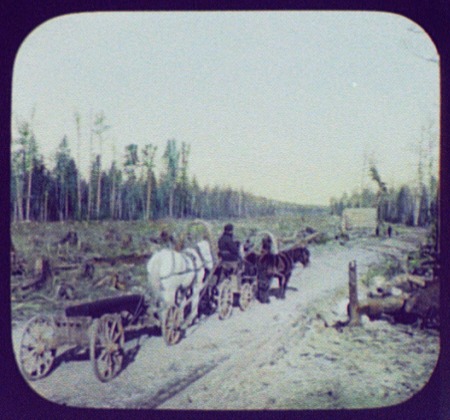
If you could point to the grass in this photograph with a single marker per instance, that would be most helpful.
(107, 239)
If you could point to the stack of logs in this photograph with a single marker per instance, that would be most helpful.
(407, 298)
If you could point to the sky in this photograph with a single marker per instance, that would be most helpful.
(286, 105)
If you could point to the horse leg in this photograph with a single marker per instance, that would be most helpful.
(282, 286)
(263, 288)
(286, 279)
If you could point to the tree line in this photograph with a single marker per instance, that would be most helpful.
(412, 205)
(128, 190)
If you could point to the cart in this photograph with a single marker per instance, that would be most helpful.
(236, 285)
(98, 327)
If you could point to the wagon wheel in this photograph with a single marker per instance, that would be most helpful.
(106, 347)
(38, 347)
(179, 296)
(171, 325)
(255, 287)
(246, 296)
(225, 299)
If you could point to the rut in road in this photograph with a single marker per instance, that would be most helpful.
(176, 387)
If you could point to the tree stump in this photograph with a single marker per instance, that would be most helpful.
(71, 238)
(42, 269)
(355, 318)
(65, 292)
(88, 270)
(127, 241)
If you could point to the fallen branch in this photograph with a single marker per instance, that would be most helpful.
(126, 259)
(66, 267)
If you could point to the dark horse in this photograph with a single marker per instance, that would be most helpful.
(277, 264)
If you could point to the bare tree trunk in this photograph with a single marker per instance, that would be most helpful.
(355, 318)
(416, 210)
(99, 180)
(171, 203)
(79, 165)
(19, 202)
(30, 178)
(113, 197)
(89, 209)
(66, 205)
(89, 200)
(149, 193)
(240, 203)
(45, 205)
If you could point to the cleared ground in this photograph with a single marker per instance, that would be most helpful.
(275, 356)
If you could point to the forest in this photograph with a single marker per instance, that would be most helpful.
(128, 190)
(410, 205)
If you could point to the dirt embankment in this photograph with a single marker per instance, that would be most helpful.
(284, 355)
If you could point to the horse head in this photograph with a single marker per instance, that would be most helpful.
(302, 255)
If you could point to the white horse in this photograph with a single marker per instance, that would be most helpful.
(168, 270)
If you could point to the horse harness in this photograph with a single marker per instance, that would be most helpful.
(187, 255)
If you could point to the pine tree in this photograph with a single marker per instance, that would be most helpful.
(148, 160)
(171, 159)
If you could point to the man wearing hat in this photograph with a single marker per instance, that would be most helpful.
(228, 248)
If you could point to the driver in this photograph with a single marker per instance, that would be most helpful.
(228, 248)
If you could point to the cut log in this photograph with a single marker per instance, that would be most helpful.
(66, 267)
(130, 303)
(375, 307)
(42, 273)
(124, 259)
(408, 282)
(425, 304)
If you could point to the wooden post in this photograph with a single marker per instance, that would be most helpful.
(355, 318)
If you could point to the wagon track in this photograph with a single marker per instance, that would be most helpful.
(265, 354)
(175, 387)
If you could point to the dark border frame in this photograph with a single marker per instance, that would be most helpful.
(20, 17)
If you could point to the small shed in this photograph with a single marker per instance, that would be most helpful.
(359, 218)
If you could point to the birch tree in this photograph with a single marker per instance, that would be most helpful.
(171, 158)
(148, 161)
(27, 149)
(99, 129)
(78, 125)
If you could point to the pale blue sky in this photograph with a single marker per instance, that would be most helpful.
(281, 104)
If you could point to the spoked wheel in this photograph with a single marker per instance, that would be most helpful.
(171, 325)
(38, 347)
(225, 299)
(246, 297)
(106, 347)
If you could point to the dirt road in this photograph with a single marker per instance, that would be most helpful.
(278, 355)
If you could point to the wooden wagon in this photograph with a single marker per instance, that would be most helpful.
(98, 326)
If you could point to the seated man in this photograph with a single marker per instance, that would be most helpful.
(229, 249)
